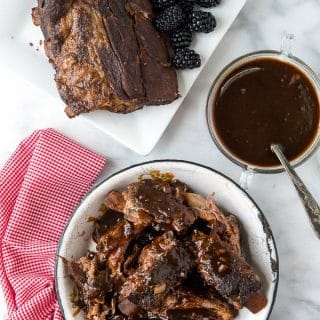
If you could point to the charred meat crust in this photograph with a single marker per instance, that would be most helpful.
(154, 200)
(106, 54)
(185, 305)
(221, 268)
(163, 265)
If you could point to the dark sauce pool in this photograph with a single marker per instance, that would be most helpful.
(262, 102)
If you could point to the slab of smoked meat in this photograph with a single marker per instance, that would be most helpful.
(163, 265)
(106, 54)
(227, 272)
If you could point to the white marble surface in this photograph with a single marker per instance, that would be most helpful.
(261, 25)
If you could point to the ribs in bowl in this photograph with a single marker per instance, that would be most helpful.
(164, 252)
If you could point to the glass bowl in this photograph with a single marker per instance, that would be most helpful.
(286, 57)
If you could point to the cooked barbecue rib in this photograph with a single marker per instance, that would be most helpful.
(93, 286)
(112, 247)
(225, 226)
(98, 275)
(154, 200)
(186, 306)
(135, 248)
(226, 271)
(117, 201)
(106, 54)
(163, 265)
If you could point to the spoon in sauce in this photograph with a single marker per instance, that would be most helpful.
(310, 204)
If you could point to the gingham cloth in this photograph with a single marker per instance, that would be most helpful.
(40, 186)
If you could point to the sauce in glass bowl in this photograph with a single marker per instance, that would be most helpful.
(264, 101)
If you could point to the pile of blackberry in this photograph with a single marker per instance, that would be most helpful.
(179, 19)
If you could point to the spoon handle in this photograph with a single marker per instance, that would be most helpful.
(308, 200)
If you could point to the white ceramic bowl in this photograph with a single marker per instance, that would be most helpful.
(257, 236)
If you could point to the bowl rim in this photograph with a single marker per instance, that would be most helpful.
(262, 218)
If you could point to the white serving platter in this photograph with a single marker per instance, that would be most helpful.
(139, 131)
(257, 239)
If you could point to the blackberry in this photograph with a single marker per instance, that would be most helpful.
(186, 58)
(186, 5)
(160, 4)
(207, 3)
(202, 21)
(169, 19)
(181, 38)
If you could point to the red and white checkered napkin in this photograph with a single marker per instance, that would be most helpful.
(40, 186)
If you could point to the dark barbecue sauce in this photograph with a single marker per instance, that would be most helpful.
(262, 102)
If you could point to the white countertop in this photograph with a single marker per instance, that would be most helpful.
(260, 25)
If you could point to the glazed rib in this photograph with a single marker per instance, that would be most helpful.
(163, 265)
(153, 200)
(220, 267)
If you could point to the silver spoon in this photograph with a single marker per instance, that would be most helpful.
(308, 200)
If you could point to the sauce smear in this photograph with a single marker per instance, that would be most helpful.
(262, 102)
